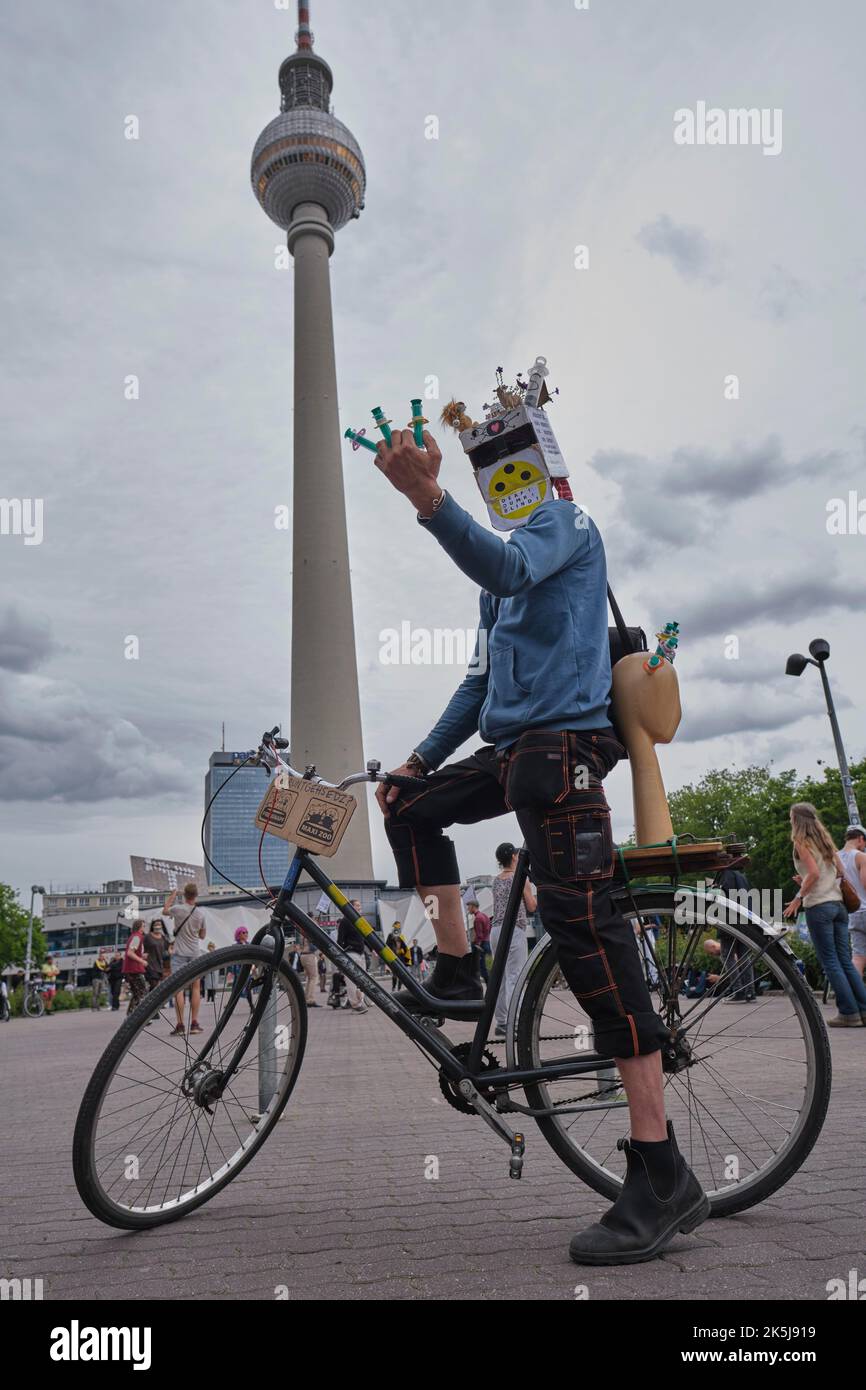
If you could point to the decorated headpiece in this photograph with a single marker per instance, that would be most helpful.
(513, 450)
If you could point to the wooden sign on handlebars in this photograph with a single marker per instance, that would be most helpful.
(308, 814)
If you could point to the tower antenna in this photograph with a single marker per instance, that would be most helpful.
(304, 36)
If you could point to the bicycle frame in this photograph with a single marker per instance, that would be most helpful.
(412, 1025)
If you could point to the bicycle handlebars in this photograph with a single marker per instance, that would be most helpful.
(268, 755)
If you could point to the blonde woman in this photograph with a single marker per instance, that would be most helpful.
(819, 869)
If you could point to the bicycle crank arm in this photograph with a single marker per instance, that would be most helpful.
(515, 1141)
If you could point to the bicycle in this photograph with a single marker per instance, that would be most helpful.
(193, 1111)
(34, 999)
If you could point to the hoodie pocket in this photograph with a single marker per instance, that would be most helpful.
(506, 696)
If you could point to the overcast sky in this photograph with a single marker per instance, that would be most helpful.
(556, 130)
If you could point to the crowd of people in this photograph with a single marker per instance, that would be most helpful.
(831, 893)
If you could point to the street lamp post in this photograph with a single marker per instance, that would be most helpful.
(77, 926)
(795, 666)
(35, 888)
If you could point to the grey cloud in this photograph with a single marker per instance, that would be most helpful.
(781, 295)
(745, 470)
(56, 745)
(25, 642)
(803, 594)
(690, 252)
(695, 477)
(713, 718)
(745, 670)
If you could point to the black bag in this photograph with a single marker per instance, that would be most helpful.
(622, 639)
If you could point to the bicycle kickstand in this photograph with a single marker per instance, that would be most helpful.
(515, 1140)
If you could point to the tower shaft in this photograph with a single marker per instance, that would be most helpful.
(325, 705)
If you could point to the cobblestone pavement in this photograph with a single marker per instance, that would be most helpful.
(337, 1204)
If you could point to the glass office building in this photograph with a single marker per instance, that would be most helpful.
(231, 838)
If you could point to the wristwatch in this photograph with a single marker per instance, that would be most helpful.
(417, 764)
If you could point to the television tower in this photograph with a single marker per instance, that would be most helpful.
(308, 174)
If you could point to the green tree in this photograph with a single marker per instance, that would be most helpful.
(13, 930)
(752, 805)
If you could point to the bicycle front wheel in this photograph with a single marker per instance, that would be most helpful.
(34, 1005)
(161, 1129)
(749, 1091)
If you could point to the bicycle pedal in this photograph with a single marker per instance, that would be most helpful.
(431, 1021)
(515, 1164)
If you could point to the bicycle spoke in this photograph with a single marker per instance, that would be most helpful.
(169, 1104)
(740, 1086)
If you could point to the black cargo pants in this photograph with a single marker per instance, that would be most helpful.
(552, 781)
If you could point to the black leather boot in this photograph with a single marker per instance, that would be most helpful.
(454, 978)
(640, 1224)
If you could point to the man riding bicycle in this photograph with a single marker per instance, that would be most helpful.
(538, 692)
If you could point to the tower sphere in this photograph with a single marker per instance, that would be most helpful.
(305, 155)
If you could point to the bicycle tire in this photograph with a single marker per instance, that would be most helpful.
(87, 1181)
(34, 1006)
(732, 1200)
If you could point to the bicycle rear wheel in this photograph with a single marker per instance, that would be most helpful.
(157, 1133)
(751, 1095)
(34, 1005)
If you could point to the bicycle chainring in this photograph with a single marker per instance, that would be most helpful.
(449, 1089)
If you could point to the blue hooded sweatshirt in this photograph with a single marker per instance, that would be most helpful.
(541, 658)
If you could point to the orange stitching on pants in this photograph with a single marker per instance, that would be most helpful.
(603, 954)
(440, 786)
(415, 857)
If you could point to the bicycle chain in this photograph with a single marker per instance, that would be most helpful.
(557, 1037)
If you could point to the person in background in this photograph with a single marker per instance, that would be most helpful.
(242, 937)
(115, 979)
(322, 965)
(479, 936)
(506, 858)
(154, 949)
(351, 941)
(394, 942)
(50, 971)
(189, 931)
(135, 965)
(417, 956)
(210, 980)
(309, 968)
(98, 980)
(853, 856)
(738, 975)
(694, 986)
(712, 978)
(819, 868)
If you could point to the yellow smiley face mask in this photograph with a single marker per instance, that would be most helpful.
(513, 487)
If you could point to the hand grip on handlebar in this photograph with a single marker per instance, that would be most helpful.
(398, 780)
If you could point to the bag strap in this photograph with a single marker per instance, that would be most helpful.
(624, 634)
(178, 930)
